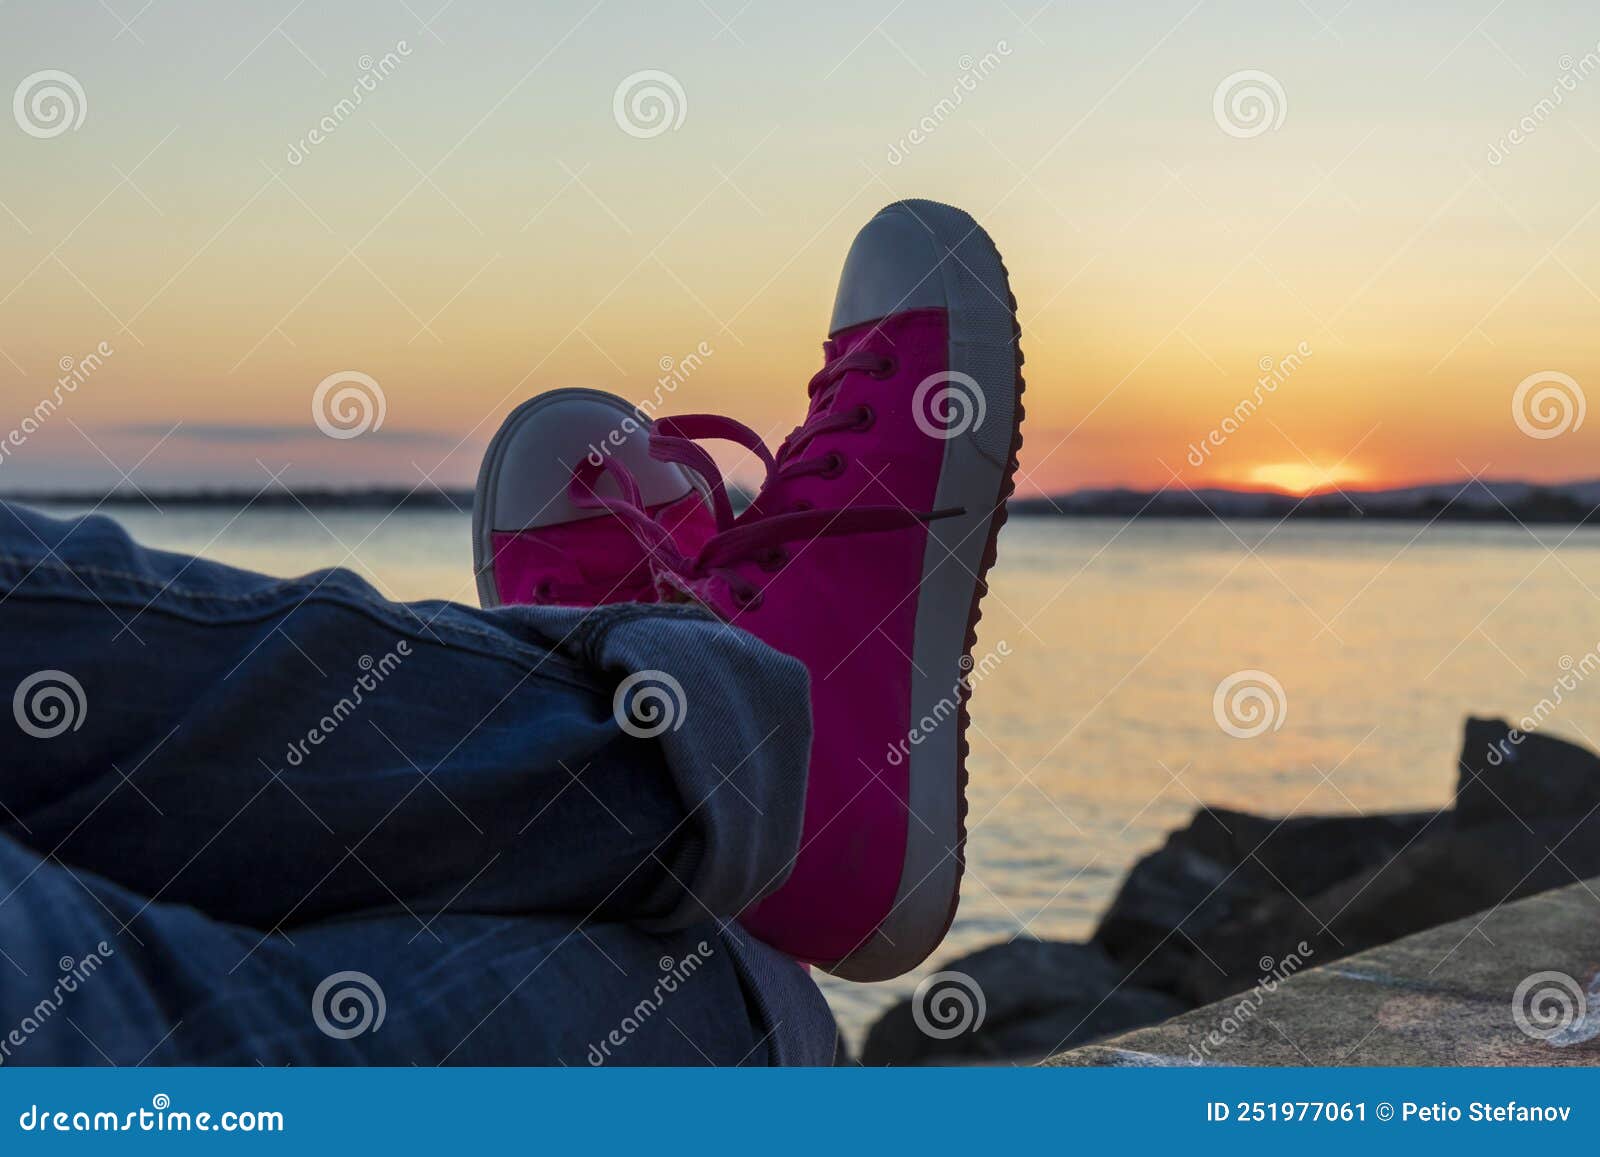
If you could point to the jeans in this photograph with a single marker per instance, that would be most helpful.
(251, 820)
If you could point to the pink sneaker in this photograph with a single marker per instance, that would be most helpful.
(917, 409)
(539, 537)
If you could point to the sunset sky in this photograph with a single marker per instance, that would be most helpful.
(483, 226)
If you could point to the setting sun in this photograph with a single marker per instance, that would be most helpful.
(1304, 477)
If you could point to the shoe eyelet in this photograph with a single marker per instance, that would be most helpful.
(542, 593)
(802, 505)
(773, 560)
(866, 417)
(886, 368)
(835, 466)
(747, 600)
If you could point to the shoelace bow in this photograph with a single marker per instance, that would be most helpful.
(761, 534)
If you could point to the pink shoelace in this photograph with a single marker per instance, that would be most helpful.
(638, 583)
(761, 534)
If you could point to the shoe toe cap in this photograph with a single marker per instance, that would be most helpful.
(548, 440)
(894, 265)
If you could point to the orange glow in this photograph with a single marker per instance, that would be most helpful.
(1251, 313)
(1304, 477)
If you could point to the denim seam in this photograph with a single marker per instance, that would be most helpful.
(592, 633)
(530, 655)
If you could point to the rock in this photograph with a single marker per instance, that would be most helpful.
(1223, 867)
(1441, 997)
(1515, 775)
(1443, 876)
(1037, 998)
(1235, 898)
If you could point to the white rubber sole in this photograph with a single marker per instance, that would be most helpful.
(976, 476)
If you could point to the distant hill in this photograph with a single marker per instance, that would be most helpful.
(1469, 501)
(316, 498)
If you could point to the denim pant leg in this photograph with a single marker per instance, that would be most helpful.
(322, 773)
(91, 974)
(277, 752)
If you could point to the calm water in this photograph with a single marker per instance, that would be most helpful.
(1096, 734)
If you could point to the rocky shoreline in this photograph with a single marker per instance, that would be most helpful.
(1236, 900)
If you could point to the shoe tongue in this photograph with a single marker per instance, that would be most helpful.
(823, 401)
(832, 350)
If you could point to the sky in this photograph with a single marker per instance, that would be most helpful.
(1261, 244)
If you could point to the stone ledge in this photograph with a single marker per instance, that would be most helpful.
(1440, 997)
